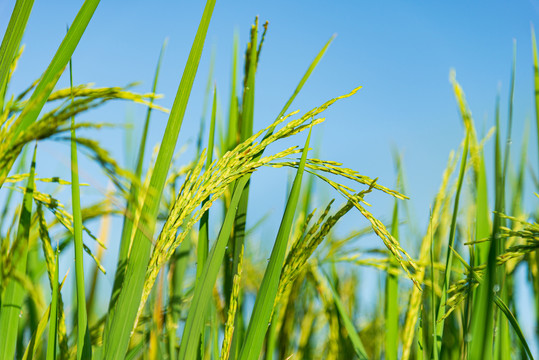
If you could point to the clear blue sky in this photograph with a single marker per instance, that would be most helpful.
(401, 54)
(399, 51)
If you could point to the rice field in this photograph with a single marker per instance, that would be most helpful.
(184, 291)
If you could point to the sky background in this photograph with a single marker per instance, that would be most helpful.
(400, 52)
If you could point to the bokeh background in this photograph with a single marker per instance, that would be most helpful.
(400, 52)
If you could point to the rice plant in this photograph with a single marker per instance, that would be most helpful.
(182, 291)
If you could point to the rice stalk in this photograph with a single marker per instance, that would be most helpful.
(117, 339)
(13, 295)
(231, 315)
(49, 79)
(11, 42)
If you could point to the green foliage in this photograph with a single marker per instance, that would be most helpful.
(451, 294)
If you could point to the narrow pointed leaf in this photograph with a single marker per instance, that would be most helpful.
(14, 294)
(265, 299)
(11, 41)
(348, 325)
(117, 340)
(84, 347)
(49, 79)
(53, 318)
(131, 208)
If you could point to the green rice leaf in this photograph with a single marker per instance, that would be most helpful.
(9, 196)
(14, 293)
(178, 265)
(414, 304)
(53, 318)
(267, 293)
(84, 346)
(449, 259)
(514, 323)
(231, 315)
(306, 76)
(246, 120)
(203, 234)
(123, 322)
(232, 138)
(11, 41)
(132, 203)
(347, 322)
(49, 79)
(51, 262)
(206, 282)
(30, 351)
(58, 63)
(392, 285)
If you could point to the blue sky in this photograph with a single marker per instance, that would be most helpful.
(400, 52)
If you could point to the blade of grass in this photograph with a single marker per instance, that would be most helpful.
(503, 339)
(11, 41)
(131, 208)
(203, 234)
(207, 94)
(265, 299)
(178, 266)
(231, 315)
(440, 320)
(489, 288)
(155, 344)
(204, 286)
(482, 227)
(514, 323)
(103, 237)
(482, 322)
(232, 139)
(215, 324)
(14, 292)
(248, 107)
(58, 63)
(433, 297)
(501, 305)
(33, 272)
(52, 74)
(414, 311)
(510, 115)
(306, 76)
(420, 348)
(53, 318)
(482, 213)
(392, 284)
(346, 321)
(84, 346)
(9, 195)
(123, 322)
(30, 351)
(468, 123)
(51, 263)
(142, 146)
(272, 338)
(516, 204)
(134, 353)
(246, 120)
